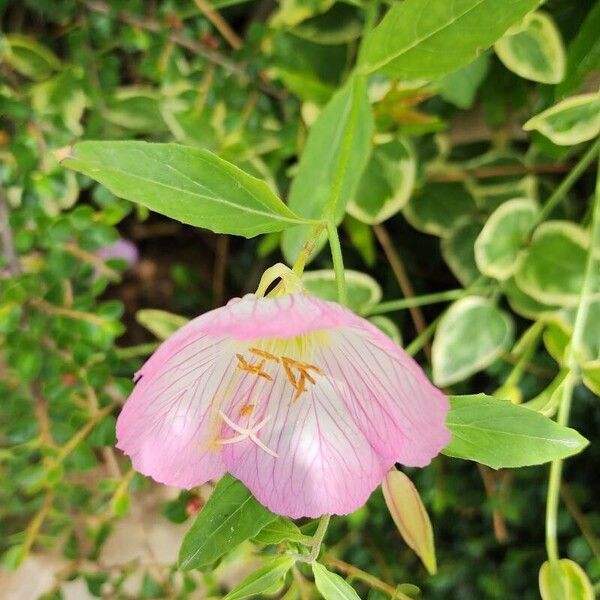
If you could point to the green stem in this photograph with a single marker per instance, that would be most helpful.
(317, 540)
(338, 261)
(423, 337)
(573, 375)
(394, 305)
(567, 183)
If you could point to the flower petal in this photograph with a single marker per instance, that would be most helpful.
(324, 464)
(396, 407)
(169, 420)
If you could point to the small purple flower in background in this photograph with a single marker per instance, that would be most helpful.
(123, 250)
(308, 404)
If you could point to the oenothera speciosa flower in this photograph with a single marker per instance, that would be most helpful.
(308, 404)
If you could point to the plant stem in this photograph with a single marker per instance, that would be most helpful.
(423, 337)
(352, 571)
(568, 182)
(394, 305)
(403, 281)
(317, 540)
(573, 375)
(8, 243)
(338, 261)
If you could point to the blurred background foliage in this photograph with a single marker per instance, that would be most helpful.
(79, 264)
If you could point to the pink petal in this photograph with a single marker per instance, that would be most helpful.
(165, 425)
(199, 410)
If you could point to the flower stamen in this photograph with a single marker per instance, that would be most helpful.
(256, 369)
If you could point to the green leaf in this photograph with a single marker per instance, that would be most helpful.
(590, 373)
(386, 184)
(534, 50)
(552, 270)
(425, 39)
(569, 122)
(188, 184)
(332, 586)
(523, 304)
(438, 207)
(410, 516)
(564, 580)
(231, 516)
(472, 334)
(339, 25)
(30, 58)
(160, 322)
(583, 56)
(458, 249)
(135, 108)
(362, 291)
(279, 530)
(460, 87)
(263, 579)
(499, 245)
(332, 162)
(500, 434)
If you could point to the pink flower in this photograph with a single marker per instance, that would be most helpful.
(306, 403)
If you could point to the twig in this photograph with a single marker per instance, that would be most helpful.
(93, 260)
(8, 243)
(36, 523)
(352, 571)
(220, 23)
(403, 281)
(40, 408)
(489, 480)
(580, 519)
(207, 53)
(60, 311)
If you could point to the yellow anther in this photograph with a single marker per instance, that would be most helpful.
(264, 354)
(246, 410)
(256, 369)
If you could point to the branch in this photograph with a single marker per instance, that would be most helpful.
(8, 243)
(220, 23)
(209, 54)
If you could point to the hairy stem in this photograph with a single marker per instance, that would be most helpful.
(424, 300)
(317, 540)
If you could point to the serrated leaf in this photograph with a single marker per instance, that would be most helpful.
(262, 580)
(335, 155)
(362, 291)
(188, 184)
(332, 586)
(488, 330)
(231, 516)
(438, 207)
(410, 516)
(564, 580)
(160, 322)
(386, 184)
(500, 434)
(425, 39)
(569, 122)
(534, 50)
(499, 245)
(552, 270)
